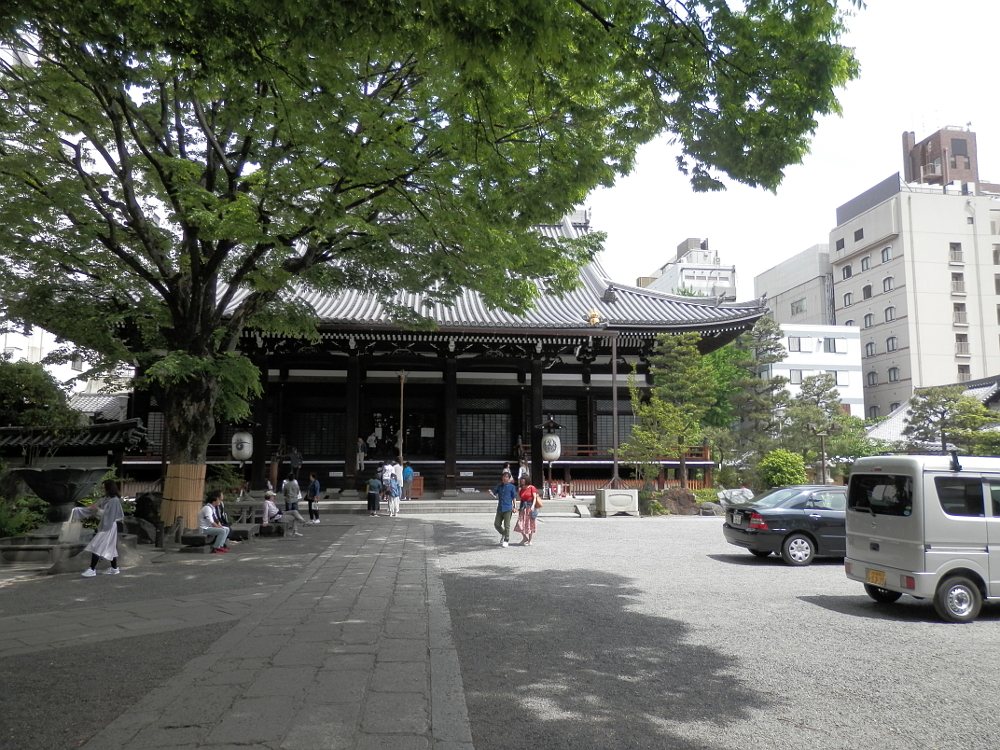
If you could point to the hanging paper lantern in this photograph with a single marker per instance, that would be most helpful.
(242, 446)
(551, 447)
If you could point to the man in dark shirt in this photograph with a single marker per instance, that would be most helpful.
(506, 494)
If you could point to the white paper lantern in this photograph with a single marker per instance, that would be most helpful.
(551, 447)
(242, 446)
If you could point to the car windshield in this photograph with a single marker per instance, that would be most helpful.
(774, 498)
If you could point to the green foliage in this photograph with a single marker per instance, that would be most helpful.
(781, 467)
(22, 515)
(724, 373)
(31, 397)
(175, 173)
(225, 477)
(946, 414)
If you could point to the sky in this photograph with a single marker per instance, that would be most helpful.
(925, 64)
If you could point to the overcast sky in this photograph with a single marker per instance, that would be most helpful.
(925, 64)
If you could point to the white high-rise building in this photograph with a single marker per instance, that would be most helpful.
(916, 266)
(695, 269)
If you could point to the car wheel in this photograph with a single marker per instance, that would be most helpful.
(881, 595)
(760, 552)
(797, 550)
(958, 599)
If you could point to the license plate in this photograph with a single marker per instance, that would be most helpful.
(737, 518)
(876, 577)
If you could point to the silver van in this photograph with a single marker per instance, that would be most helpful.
(928, 526)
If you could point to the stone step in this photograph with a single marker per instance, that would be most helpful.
(459, 504)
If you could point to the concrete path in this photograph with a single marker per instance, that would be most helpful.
(355, 653)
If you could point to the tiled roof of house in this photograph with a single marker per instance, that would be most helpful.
(619, 306)
(124, 434)
(891, 428)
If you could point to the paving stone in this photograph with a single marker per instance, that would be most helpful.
(392, 742)
(400, 677)
(291, 682)
(339, 687)
(328, 736)
(403, 649)
(344, 662)
(395, 713)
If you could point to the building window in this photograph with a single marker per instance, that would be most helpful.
(866, 263)
(872, 378)
(840, 377)
(830, 345)
(866, 291)
(893, 374)
(849, 322)
(970, 220)
(958, 283)
(996, 283)
(890, 344)
(848, 299)
(869, 320)
(840, 244)
(955, 252)
(77, 364)
(959, 314)
(798, 306)
(996, 255)
(887, 284)
(847, 273)
(961, 343)
(795, 377)
(890, 314)
(893, 406)
(870, 349)
(887, 254)
(794, 344)
(859, 234)
(873, 412)
(964, 373)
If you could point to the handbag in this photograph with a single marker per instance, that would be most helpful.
(538, 502)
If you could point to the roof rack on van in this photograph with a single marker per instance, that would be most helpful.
(955, 465)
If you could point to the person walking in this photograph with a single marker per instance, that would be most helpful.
(291, 492)
(374, 486)
(295, 461)
(105, 541)
(312, 498)
(506, 472)
(505, 494)
(397, 470)
(209, 525)
(528, 512)
(407, 480)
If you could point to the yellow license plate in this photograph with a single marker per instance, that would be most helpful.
(876, 577)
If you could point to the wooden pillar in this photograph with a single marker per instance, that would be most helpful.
(261, 452)
(352, 427)
(537, 465)
(450, 431)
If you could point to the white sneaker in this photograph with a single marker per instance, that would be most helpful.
(316, 521)
(89, 573)
(111, 572)
(503, 544)
(297, 533)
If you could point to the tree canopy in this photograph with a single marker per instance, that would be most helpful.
(945, 413)
(31, 397)
(171, 172)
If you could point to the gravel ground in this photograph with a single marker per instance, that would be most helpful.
(656, 633)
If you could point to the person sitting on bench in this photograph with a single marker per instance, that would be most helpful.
(209, 525)
(273, 515)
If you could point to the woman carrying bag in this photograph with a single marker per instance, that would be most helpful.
(531, 503)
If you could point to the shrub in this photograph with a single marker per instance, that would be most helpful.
(22, 515)
(781, 467)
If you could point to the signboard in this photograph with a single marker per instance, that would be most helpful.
(465, 473)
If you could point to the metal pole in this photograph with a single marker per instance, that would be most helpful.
(402, 381)
(822, 458)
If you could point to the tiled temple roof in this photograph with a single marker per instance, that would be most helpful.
(125, 434)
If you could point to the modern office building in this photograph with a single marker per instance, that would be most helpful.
(694, 269)
(916, 266)
(819, 349)
(799, 291)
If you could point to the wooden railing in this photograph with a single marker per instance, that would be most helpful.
(590, 486)
(695, 452)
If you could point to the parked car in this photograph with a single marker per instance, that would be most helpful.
(800, 523)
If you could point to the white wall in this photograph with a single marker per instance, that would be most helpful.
(812, 359)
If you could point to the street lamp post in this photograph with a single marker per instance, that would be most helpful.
(402, 382)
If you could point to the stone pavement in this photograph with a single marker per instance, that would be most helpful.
(356, 653)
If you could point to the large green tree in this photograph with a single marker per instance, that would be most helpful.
(945, 414)
(170, 172)
(31, 397)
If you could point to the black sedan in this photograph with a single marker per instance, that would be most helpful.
(799, 522)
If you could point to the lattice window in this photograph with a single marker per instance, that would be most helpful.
(564, 405)
(484, 404)
(604, 429)
(483, 434)
(317, 434)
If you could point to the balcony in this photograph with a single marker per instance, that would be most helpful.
(958, 287)
(962, 348)
(956, 256)
(960, 318)
(964, 377)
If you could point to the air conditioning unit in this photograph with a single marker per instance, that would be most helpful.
(610, 502)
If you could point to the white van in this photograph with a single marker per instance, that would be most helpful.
(928, 526)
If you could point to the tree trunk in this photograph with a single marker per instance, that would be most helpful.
(187, 412)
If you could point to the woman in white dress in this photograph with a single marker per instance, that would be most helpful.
(105, 541)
